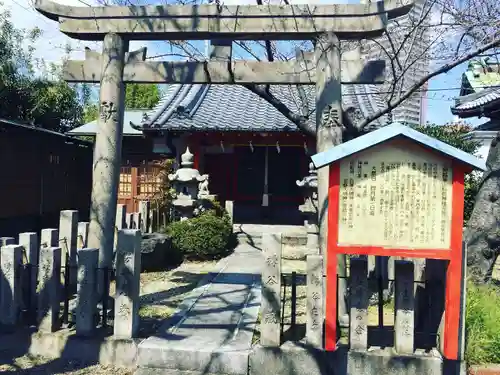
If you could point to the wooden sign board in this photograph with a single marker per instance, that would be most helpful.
(397, 192)
(395, 196)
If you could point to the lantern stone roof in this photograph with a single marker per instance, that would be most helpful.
(212, 107)
(387, 133)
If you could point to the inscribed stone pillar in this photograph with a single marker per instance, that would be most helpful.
(315, 313)
(144, 208)
(359, 297)
(128, 271)
(68, 237)
(404, 305)
(83, 234)
(49, 288)
(29, 242)
(49, 238)
(10, 285)
(86, 309)
(328, 135)
(107, 151)
(270, 327)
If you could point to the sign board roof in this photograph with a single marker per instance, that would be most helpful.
(387, 133)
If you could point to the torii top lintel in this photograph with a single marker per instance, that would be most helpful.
(203, 22)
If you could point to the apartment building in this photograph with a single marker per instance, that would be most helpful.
(409, 42)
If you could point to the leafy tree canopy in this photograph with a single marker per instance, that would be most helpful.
(26, 92)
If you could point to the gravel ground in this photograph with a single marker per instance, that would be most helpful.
(38, 365)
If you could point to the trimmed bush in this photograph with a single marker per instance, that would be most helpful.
(207, 236)
(482, 324)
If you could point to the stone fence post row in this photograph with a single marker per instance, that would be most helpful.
(271, 295)
(40, 286)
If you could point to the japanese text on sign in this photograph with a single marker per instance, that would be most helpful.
(395, 197)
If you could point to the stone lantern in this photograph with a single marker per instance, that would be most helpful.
(187, 181)
(309, 209)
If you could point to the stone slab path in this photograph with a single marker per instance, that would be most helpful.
(212, 331)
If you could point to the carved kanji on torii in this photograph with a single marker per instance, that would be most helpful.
(117, 25)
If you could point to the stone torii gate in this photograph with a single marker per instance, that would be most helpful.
(117, 25)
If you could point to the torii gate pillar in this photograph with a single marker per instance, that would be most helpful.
(329, 134)
(107, 151)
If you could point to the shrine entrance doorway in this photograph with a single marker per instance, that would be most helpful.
(264, 186)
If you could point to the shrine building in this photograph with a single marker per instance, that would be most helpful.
(253, 154)
(480, 97)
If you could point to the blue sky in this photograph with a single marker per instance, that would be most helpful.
(52, 46)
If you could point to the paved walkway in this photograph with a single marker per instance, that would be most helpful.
(212, 331)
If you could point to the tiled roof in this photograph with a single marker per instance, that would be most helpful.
(480, 89)
(211, 107)
(473, 104)
(129, 117)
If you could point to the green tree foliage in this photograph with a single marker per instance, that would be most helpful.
(24, 96)
(456, 136)
(137, 96)
(141, 96)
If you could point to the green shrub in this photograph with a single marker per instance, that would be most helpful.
(482, 324)
(207, 236)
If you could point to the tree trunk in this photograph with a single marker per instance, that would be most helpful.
(482, 234)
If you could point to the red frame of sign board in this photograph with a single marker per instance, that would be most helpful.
(453, 255)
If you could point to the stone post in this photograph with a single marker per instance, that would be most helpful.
(135, 220)
(49, 288)
(121, 214)
(49, 238)
(359, 297)
(315, 313)
(328, 135)
(144, 208)
(68, 237)
(10, 285)
(83, 234)
(404, 306)
(270, 326)
(107, 151)
(128, 271)
(4, 241)
(87, 291)
(128, 220)
(29, 242)
(229, 205)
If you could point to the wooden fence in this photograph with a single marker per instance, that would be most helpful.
(43, 172)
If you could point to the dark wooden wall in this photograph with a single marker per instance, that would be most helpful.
(41, 173)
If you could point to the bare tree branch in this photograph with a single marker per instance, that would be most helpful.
(445, 68)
